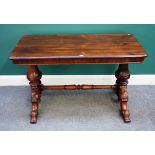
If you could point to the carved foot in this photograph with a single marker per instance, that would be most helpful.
(122, 75)
(34, 113)
(123, 97)
(126, 116)
(34, 76)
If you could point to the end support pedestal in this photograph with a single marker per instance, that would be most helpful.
(34, 76)
(122, 75)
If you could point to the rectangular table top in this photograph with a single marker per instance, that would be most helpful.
(78, 49)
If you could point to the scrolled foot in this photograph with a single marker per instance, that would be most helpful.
(34, 76)
(34, 115)
(122, 75)
(126, 116)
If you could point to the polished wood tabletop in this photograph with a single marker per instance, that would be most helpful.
(78, 49)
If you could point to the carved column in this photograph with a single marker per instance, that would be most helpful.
(122, 75)
(34, 76)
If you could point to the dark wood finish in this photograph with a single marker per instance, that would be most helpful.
(34, 76)
(34, 50)
(122, 75)
(78, 49)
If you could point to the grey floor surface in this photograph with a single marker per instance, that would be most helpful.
(93, 110)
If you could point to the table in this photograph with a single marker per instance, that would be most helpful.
(64, 49)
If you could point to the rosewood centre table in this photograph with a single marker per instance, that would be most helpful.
(35, 50)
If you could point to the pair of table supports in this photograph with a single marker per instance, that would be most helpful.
(122, 74)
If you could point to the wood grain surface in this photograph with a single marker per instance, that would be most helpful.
(78, 49)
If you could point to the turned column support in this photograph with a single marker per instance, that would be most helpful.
(122, 75)
(34, 76)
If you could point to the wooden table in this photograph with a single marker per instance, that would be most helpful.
(34, 50)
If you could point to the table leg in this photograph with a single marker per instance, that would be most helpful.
(34, 76)
(122, 75)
